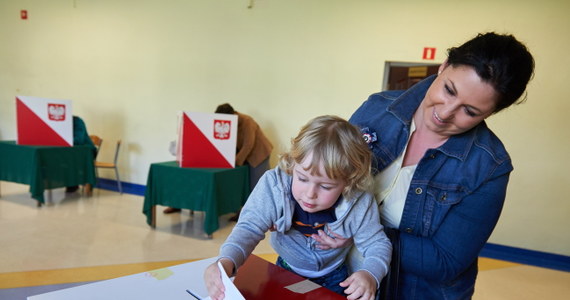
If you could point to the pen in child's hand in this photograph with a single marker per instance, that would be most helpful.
(193, 295)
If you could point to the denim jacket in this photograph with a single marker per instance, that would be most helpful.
(454, 200)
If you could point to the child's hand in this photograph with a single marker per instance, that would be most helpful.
(213, 278)
(360, 285)
(325, 242)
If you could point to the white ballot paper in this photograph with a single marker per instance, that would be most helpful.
(231, 293)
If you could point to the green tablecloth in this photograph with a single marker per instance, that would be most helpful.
(214, 191)
(46, 167)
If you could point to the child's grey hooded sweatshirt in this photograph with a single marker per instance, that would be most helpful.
(270, 204)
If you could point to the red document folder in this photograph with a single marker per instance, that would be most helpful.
(259, 279)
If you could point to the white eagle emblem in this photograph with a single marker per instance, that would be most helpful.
(56, 112)
(222, 129)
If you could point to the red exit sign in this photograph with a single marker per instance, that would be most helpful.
(429, 53)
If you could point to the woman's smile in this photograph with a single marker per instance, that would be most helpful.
(438, 120)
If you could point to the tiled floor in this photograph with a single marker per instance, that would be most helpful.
(78, 239)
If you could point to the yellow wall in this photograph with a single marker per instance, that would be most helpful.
(130, 65)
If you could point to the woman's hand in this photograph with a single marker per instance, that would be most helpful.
(325, 242)
(360, 285)
(213, 278)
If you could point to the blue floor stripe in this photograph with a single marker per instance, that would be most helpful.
(129, 188)
(527, 257)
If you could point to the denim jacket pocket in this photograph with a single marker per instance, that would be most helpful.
(439, 201)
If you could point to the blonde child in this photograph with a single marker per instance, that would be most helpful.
(321, 185)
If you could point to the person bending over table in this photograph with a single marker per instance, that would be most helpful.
(253, 149)
(81, 137)
(443, 173)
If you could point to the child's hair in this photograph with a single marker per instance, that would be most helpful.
(340, 147)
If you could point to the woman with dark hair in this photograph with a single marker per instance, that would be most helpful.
(442, 173)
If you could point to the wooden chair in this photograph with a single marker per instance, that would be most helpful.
(112, 165)
(97, 141)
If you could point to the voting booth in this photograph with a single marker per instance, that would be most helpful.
(44, 122)
(207, 140)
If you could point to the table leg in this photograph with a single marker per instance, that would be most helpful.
(88, 189)
(153, 216)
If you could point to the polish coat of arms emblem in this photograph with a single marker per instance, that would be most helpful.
(56, 112)
(222, 129)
